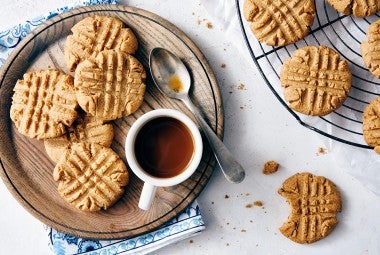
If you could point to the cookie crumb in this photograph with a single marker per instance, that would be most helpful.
(270, 167)
(223, 65)
(248, 205)
(321, 151)
(241, 86)
(258, 203)
(226, 196)
(243, 230)
(209, 25)
(199, 21)
(191, 241)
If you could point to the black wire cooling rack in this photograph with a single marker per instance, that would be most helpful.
(342, 33)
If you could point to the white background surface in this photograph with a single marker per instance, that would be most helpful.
(257, 129)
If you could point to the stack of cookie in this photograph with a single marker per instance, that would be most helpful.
(315, 80)
(73, 115)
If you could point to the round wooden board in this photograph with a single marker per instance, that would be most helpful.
(27, 170)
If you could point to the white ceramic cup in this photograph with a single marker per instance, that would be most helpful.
(152, 182)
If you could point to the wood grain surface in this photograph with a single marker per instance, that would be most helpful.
(27, 170)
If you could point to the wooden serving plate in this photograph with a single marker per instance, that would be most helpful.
(27, 170)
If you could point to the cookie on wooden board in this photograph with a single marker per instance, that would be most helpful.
(85, 128)
(91, 177)
(95, 34)
(43, 103)
(315, 202)
(111, 85)
(315, 80)
(279, 22)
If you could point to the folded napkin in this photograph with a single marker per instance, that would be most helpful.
(185, 225)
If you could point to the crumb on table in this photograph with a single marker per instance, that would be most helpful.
(270, 167)
(258, 203)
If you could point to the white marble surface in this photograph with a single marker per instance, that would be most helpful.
(257, 129)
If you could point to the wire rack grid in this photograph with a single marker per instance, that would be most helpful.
(342, 33)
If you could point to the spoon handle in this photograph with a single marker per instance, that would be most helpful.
(231, 169)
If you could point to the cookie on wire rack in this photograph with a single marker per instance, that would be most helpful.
(358, 8)
(370, 49)
(371, 124)
(279, 22)
(95, 34)
(91, 177)
(315, 202)
(315, 80)
(43, 103)
(111, 85)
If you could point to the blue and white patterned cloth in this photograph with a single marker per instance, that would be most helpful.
(185, 225)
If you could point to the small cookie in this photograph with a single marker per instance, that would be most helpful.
(85, 128)
(315, 80)
(111, 85)
(280, 22)
(90, 176)
(358, 8)
(315, 202)
(370, 49)
(371, 124)
(94, 34)
(43, 103)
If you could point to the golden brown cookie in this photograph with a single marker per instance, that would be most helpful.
(371, 124)
(358, 8)
(94, 34)
(111, 85)
(270, 167)
(86, 128)
(370, 49)
(91, 176)
(315, 202)
(43, 103)
(279, 22)
(315, 80)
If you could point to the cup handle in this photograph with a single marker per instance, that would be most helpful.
(147, 195)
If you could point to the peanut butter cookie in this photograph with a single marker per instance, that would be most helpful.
(371, 124)
(95, 34)
(370, 49)
(279, 22)
(315, 80)
(315, 202)
(358, 8)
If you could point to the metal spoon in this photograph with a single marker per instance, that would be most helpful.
(173, 79)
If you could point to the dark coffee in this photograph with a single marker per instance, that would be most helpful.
(164, 147)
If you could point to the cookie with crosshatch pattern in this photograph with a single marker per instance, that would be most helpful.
(111, 85)
(95, 34)
(371, 124)
(85, 128)
(370, 49)
(315, 202)
(43, 103)
(91, 176)
(315, 80)
(358, 8)
(279, 22)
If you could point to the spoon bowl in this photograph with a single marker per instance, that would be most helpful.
(173, 79)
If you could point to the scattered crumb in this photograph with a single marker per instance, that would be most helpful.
(243, 230)
(223, 65)
(241, 86)
(212, 202)
(230, 92)
(242, 107)
(191, 241)
(270, 167)
(258, 203)
(248, 205)
(321, 151)
(226, 196)
(199, 21)
(209, 25)
(251, 221)
(193, 13)
(227, 244)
